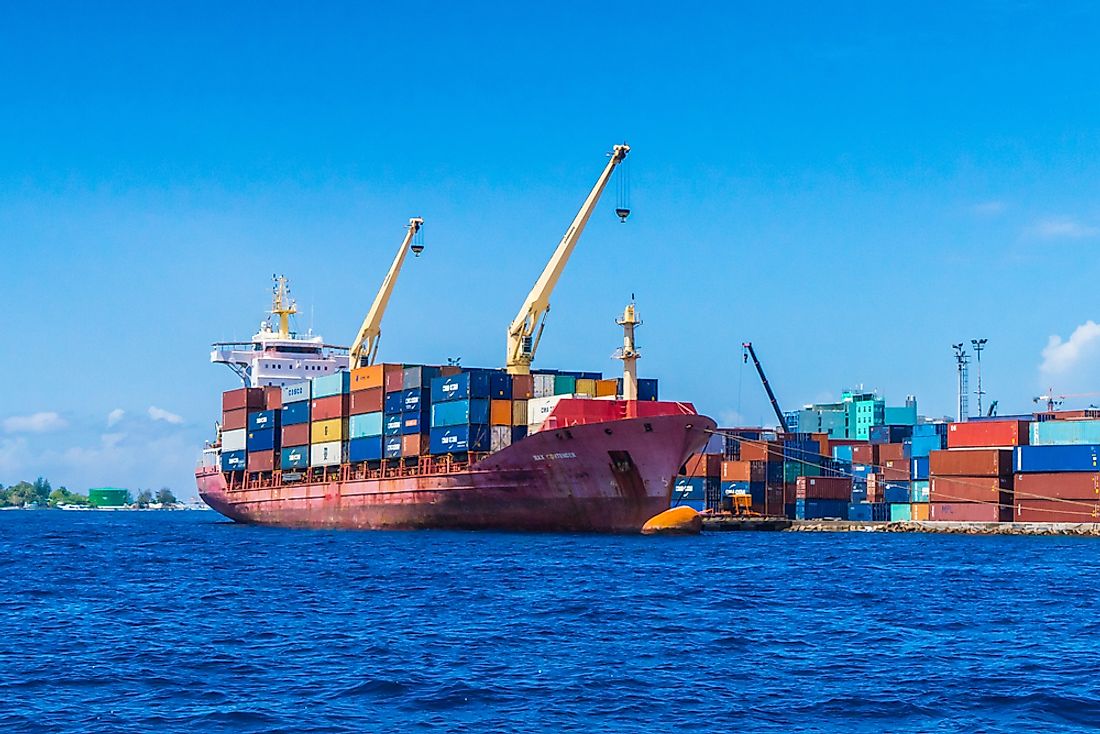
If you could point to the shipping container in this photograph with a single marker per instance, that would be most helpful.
(500, 413)
(843, 453)
(327, 408)
(703, 465)
(273, 397)
(365, 425)
(900, 512)
(968, 512)
(542, 385)
(1062, 432)
(295, 435)
(364, 378)
(234, 460)
(565, 385)
(233, 420)
(519, 413)
(922, 446)
(459, 439)
(744, 471)
(499, 437)
(970, 463)
(415, 399)
(893, 452)
(394, 403)
(234, 440)
(393, 425)
(329, 453)
(337, 383)
(918, 468)
(929, 430)
(367, 448)
(970, 489)
(415, 421)
(539, 409)
(263, 419)
(392, 446)
(294, 413)
(1056, 486)
(895, 470)
(647, 390)
(393, 380)
(244, 398)
(367, 400)
(296, 392)
(919, 511)
(811, 509)
(264, 440)
(895, 493)
(865, 454)
(607, 388)
(694, 488)
(826, 488)
(868, 511)
(987, 434)
(1047, 459)
(920, 491)
(294, 457)
(460, 412)
(262, 460)
(413, 444)
(523, 387)
(1026, 510)
(518, 433)
(418, 377)
(327, 431)
(463, 386)
(889, 434)
(500, 386)
(586, 386)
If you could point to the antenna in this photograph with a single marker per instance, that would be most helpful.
(979, 345)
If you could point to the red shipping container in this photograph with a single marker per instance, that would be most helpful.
(824, 488)
(1055, 511)
(261, 461)
(449, 370)
(412, 445)
(296, 435)
(334, 406)
(704, 465)
(895, 470)
(971, 463)
(233, 420)
(523, 387)
(273, 398)
(243, 398)
(744, 471)
(366, 401)
(865, 454)
(761, 451)
(971, 489)
(1061, 486)
(393, 377)
(790, 492)
(888, 451)
(987, 434)
(969, 512)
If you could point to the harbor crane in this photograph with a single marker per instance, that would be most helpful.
(365, 347)
(750, 352)
(1054, 401)
(525, 331)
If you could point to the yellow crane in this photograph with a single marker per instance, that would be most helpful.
(365, 347)
(523, 339)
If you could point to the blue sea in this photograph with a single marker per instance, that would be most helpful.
(183, 622)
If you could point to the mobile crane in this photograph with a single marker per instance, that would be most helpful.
(750, 352)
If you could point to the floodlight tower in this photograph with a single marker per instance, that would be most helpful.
(979, 345)
(962, 361)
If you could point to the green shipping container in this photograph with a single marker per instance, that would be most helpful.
(792, 470)
(901, 512)
(108, 497)
(565, 384)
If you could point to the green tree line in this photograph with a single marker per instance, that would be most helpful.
(40, 493)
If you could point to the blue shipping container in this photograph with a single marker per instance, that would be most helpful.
(392, 425)
(1042, 459)
(391, 447)
(896, 492)
(889, 434)
(862, 471)
(295, 413)
(459, 412)
(296, 392)
(814, 509)
(459, 439)
(234, 460)
(859, 492)
(394, 403)
(918, 468)
(500, 386)
(901, 512)
(365, 449)
(365, 425)
(415, 399)
(694, 488)
(338, 383)
(519, 433)
(868, 511)
(928, 430)
(261, 440)
(843, 453)
(1062, 433)
(462, 386)
(263, 419)
(922, 446)
(294, 457)
(415, 421)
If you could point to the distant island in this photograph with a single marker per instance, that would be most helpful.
(40, 494)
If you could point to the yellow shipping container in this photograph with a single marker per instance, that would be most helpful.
(607, 388)
(919, 511)
(335, 429)
(519, 413)
(500, 412)
(585, 387)
(364, 378)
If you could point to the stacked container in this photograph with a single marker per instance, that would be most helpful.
(236, 406)
(365, 413)
(460, 411)
(295, 426)
(329, 406)
(972, 484)
(1057, 477)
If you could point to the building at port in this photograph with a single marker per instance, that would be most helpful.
(108, 497)
(853, 416)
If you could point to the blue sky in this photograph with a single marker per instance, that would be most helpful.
(851, 188)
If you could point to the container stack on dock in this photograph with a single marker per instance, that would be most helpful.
(1057, 476)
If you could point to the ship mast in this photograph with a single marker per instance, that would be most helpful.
(628, 352)
(283, 306)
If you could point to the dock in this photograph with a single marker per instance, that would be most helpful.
(726, 523)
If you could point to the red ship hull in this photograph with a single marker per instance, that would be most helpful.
(597, 477)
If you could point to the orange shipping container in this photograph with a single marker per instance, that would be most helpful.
(744, 471)
(703, 465)
(412, 445)
(273, 398)
(918, 511)
(607, 388)
(888, 451)
(500, 412)
(987, 434)
(760, 451)
(364, 378)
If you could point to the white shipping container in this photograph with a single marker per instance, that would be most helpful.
(234, 440)
(330, 453)
(500, 437)
(295, 392)
(543, 386)
(539, 409)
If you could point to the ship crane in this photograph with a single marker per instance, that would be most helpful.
(750, 352)
(365, 347)
(525, 331)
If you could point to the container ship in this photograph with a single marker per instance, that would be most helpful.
(323, 436)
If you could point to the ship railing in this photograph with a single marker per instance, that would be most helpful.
(426, 466)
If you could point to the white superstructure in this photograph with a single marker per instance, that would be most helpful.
(277, 356)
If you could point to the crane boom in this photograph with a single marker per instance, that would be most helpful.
(522, 337)
(750, 352)
(365, 346)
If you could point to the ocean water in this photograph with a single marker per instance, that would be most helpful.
(182, 622)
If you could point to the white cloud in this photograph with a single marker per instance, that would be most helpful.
(1062, 228)
(1063, 358)
(989, 208)
(115, 416)
(35, 423)
(13, 452)
(160, 414)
